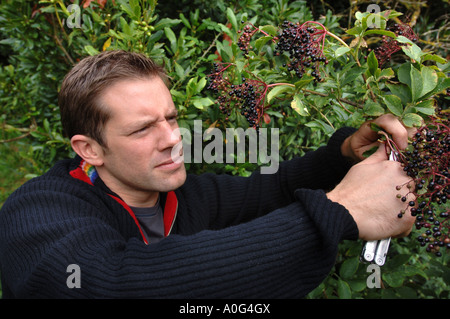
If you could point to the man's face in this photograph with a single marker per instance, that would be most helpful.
(140, 136)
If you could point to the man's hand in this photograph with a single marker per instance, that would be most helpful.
(366, 138)
(369, 192)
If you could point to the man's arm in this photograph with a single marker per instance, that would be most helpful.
(283, 254)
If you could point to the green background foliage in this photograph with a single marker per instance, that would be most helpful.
(41, 41)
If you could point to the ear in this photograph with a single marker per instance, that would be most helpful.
(88, 149)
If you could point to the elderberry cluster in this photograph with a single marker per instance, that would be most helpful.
(246, 97)
(427, 163)
(302, 44)
(246, 35)
(389, 46)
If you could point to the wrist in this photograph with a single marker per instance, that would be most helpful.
(347, 151)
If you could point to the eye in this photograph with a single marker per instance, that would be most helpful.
(173, 118)
(141, 130)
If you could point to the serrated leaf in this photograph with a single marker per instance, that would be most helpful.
(417, 84)
(413, 51)
(372, 108)
(352, 74)
(386, 74)
(400, 90)
(429, 80)
(426, 107)
(404, 73)
(394, 104)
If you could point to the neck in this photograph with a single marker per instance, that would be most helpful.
(139, 199)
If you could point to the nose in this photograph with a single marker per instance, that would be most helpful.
(169, 135)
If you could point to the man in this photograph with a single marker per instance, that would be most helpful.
(128, 219)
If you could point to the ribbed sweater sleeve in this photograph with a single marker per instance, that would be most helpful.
(285, 252)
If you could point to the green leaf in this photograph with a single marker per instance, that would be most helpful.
(344, 290)
(393, 279)
(433, 57)
(232, 18)
(136, 8)
(341, 51)
(352, 74)
(127, 8)
(381, 32)
(416, 83)
(297, 105)
(203, 102)
(412, 120)
(90, 50)
(349, 268)
(262, 41)
(386, 74)
(125, 27)
(426, 107)
(166, 23)
(411, 49)
(172, 38)
(394, 104)
(269, 29)
(355, 30)
(372, 62)
(404, 73)
(278, 90)
(429, 80)
(402, 91)
(372, 108)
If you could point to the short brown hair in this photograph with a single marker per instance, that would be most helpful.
(79, 97)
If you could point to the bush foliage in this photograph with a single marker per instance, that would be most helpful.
(42, 40)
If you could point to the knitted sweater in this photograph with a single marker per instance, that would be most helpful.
(263, 236)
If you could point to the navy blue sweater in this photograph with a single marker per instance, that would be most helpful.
(263, 236)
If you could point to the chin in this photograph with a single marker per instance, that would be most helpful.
(173, 182)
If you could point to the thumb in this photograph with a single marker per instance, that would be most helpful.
(379, 156)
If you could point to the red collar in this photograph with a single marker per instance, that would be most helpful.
(87, 173)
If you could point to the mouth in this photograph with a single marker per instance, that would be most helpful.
(169, 165)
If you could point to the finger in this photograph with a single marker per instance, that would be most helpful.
(391, 125)
(379, 155)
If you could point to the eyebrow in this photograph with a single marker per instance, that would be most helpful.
(131, 128)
